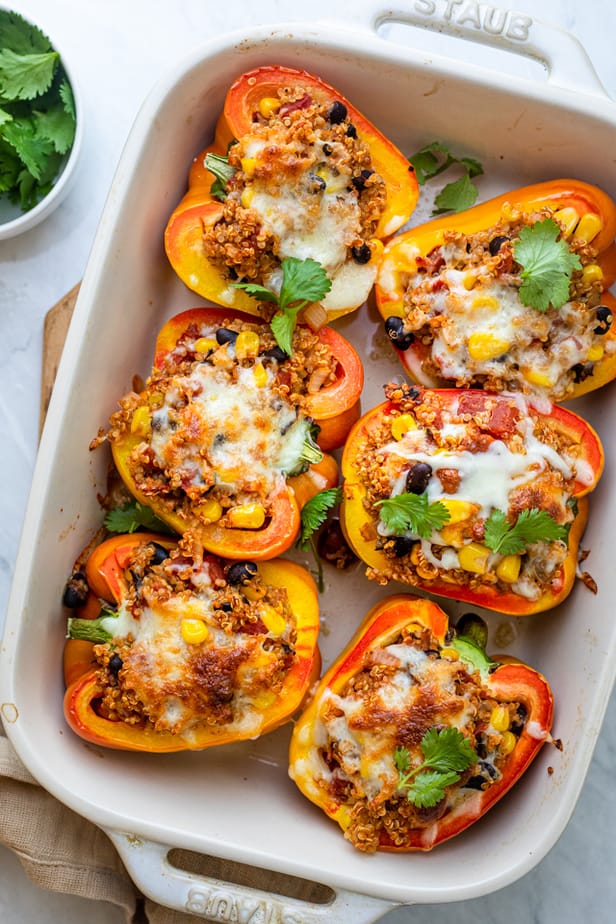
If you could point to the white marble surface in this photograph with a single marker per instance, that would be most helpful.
(117, 50)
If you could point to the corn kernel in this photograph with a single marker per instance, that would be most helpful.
(469, 281)
(141, 423)
(246, 516)
(376, 248)
(228, 475)
(402, 424)
(247, 345)
(588, 227)
(458, 510)
(567, 218)
(253, 593)
(272, 620)
(474, 557)
(205, 344)
(155, 399)
(509, 212)
(268, 106)
(485, 301)
(248, 166)
(508, 742)
(450, 653)
(592, 272)
(537, 377)
(508, 568)
(264, 699)
(486, 346)
(499, 718)
(247, 196)
(595, 353)
(260, 375)
(194, 631)
(210, 511)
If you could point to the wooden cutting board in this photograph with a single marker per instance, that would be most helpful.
(57, 321)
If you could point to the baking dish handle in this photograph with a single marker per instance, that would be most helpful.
(213, 899)
(563, 56)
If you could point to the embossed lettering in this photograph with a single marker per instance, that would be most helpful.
(519, 26)
(196, 902)
(470, 13)
(494, 20)
(449, 8)
(427, 7)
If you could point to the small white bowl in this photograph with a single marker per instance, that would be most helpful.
(13, 220)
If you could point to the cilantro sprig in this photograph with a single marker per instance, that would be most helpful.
(432, 160)
(132, 516)
(531, 526)
(413, 512)
(447, 754)
(303, 282)
(313, 515)
(547, 265)
(37, 112)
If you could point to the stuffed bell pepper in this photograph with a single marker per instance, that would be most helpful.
(510, 295)
(414, 733)
(223, 437)
(169, 649)
(296, 171)
(470, 495)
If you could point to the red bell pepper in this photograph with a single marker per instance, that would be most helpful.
(459, 326)
(190, 338)
(452, 448)
(254, 97)
(272, 592)
(367, 720)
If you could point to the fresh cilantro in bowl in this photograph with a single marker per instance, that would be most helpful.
(37, 113)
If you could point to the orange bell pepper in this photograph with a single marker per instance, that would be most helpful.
(484, 580)
(109, 572)
(319, 769)
(333, 408)
(585, 213)
(199, 209)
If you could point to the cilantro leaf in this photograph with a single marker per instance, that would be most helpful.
(314, 513)
(57, 126)
(26, 76)
(531, 526)
(68, 100)
(447, 753)
(131, 516)
(547, 265)
(413, 512)
(218, 164)
(32, 150)
(428, 788)
(20, 35)
(303, 282)
(456, 196)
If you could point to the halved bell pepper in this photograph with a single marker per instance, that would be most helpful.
(258, 711)
(465, 568)
(587, 215)
(252, 94)
(333, 408)
(346, 743)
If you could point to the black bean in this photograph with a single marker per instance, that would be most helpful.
(332, 545)
(276, 353)
(361, 254)
(582, 371)
(337, 112)
(241, 572)
(115, 664)
(496, 243)
(604, 317)
(317, 183)
(327, 149)
(359, 182)
(475, 782)
(351, 131)
(403, 545)
(394, 328)
(418, 477)
(76, 591)
(224, 335)
(160, 555)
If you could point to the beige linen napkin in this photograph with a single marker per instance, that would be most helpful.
(61, 851)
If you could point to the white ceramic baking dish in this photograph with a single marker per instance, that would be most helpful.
(236, 802)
